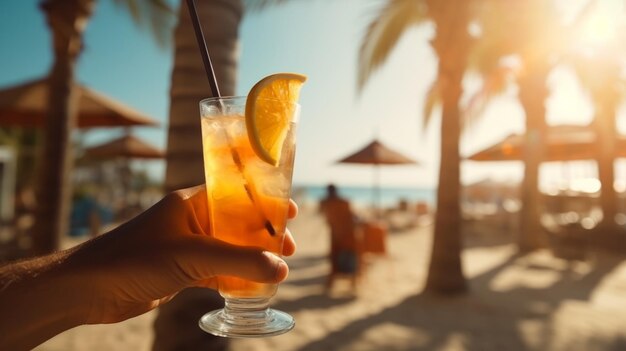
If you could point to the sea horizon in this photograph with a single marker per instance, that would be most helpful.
(363, 195)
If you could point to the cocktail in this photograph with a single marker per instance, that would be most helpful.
(249, 149)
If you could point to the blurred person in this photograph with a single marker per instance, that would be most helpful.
(126, 272)
(85, 216)
(345, 246)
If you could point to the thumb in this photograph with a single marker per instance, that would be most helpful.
(204, 257)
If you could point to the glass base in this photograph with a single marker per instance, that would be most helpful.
(246, 318)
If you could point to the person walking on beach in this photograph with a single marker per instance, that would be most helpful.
(345, 253)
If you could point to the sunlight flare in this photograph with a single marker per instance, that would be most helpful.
(600, 28)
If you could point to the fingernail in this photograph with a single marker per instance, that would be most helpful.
(281, 271)
(281, 268)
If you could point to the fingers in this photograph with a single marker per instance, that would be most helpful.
(293, 209)
(289, 244)
(212, 257)
(198, 198)
(195, 193)
(204, 257)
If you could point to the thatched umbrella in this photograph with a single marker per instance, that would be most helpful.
(563, 143)
(128, 146)
(122, 150)
(25, 105)
(377, 154)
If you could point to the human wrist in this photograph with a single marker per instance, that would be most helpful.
(72, 286)
(39, 299)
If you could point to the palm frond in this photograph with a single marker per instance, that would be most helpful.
(495, 83)
(433, 99)
(158, 15)
(384, 32)
(498, 22)
(133, 9)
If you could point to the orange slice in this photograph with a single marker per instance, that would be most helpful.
(270, 108)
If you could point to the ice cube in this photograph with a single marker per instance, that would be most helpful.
(208, 110)
(277, 185)
(228, 185)
(267, 179)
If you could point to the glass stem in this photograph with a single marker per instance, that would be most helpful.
(246, 310)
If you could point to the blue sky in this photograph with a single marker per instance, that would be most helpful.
(319, 38)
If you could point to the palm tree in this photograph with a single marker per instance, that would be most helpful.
(452, 44)
(176, 324)
(600, 73)
(532, 32)
(596, 54)
(220, 20)
(67, 20)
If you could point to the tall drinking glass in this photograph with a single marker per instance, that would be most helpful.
(248, 204)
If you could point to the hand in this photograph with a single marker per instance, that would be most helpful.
(126, 272)
(145, 262)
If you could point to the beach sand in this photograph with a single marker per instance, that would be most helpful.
(534, 302)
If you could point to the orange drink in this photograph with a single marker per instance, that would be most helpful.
(249, 148)
(248, 198)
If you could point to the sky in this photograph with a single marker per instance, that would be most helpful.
(320, 38)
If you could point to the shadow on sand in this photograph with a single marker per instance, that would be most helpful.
(484, 319)
(320, 301)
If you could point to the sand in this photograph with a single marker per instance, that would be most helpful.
(534, 302)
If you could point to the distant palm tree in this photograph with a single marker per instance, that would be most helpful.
(452, 44)
(67, 20)
(528, 31)
(534, 33)
(600, 73)
(599, 65)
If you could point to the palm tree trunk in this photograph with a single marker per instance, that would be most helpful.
(533, 93)
(67, 20)
(445, 273)
(176, 325)
(608, 235)
(605, 127)
(220, 20)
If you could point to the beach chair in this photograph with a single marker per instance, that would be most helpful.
(374, 238)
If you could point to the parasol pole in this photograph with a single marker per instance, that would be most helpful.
(377, 192)
(377, 201)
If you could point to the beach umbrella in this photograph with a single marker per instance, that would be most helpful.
(25, 105)
(122, 150)
(128, 146)
(376, 153)
(562, 143)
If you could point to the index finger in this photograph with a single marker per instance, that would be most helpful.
(293, 209)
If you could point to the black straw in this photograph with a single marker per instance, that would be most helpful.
(215, 91)
(204, 52)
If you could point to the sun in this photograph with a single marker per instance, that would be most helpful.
(600, 27)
